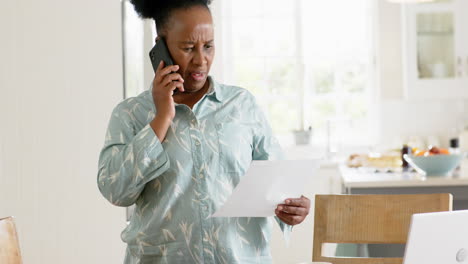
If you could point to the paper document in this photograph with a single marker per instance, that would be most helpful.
(267, 184)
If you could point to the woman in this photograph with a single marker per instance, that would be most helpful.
(178, 157)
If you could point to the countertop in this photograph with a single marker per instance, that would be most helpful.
(365, 178)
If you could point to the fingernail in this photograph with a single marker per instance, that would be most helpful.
(288, 201)
(280, 208)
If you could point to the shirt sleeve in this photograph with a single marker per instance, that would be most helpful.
(286, 229)
(129, 158)
(267, 147)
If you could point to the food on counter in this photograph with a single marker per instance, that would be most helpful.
(356, 160)
(432, 150)
(388, 160)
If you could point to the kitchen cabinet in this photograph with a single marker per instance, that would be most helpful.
(435, 45)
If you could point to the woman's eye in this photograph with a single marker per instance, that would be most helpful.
(187, 49)
(208, 46)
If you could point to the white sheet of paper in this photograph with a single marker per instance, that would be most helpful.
(267, 184)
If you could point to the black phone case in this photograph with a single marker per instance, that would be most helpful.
(160, 52)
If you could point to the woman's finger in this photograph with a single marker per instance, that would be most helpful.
(300, 202)
(157, 76)
(283, 216)
(171, 78)
(160, 66)
(176, 85)
(293, 210)
(165, 71)
(289, 219)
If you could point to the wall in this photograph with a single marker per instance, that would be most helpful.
(389, 49)
(60, 77)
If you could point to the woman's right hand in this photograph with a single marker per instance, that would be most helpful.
(166, 81)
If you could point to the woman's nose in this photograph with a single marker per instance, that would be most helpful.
(199, 58)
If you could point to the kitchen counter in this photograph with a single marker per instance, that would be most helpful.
(362, 181)
(358, 178)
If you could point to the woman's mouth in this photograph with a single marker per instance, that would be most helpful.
(198, 76)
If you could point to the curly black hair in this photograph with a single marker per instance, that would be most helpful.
(160, 10)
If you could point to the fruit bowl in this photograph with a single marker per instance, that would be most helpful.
(434, 165)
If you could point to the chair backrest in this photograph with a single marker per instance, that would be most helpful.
(9, 246)
(369, 219)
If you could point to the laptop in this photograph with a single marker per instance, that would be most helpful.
(438, 238)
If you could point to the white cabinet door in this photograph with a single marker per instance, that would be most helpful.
(434, 43)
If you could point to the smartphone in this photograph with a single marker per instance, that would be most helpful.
(159, 53)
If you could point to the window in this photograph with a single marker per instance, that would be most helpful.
(309, 63)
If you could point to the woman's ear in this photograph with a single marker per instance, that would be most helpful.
(158, 38)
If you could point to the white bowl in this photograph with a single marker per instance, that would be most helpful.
(434, 165)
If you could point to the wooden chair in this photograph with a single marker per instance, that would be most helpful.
(9, 246)
(369, 219)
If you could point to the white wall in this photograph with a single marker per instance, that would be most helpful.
(60, 77)
(389, 47)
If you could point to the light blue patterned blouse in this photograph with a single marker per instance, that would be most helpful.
(177, 184)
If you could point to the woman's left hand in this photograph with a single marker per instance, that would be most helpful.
(293, 211)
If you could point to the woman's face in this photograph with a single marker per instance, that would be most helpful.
(190, 40)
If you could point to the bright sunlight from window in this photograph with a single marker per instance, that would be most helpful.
(309, 63)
